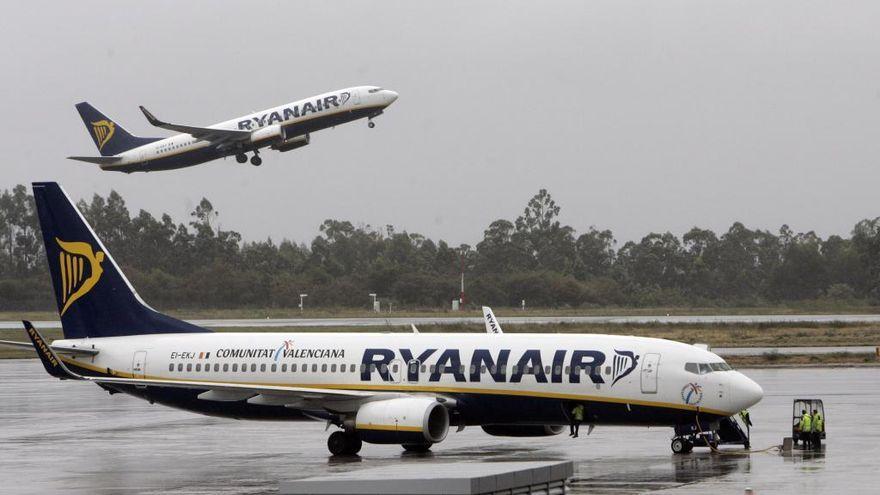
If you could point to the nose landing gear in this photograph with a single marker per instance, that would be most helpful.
(256, 160)
(371, 124)
(241, 158)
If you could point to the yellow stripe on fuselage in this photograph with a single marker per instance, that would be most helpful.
(366, 426)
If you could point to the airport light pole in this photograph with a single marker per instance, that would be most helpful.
(301, 297)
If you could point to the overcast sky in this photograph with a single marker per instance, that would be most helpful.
(636, 116)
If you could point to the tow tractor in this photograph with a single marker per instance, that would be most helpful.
(725, 431)
(808, 405)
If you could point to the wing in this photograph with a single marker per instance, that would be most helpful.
(87, 351)
(215, 136)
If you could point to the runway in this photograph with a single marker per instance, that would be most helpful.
(512, 320)
(72, 437)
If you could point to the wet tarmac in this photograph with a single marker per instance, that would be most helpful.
(71, 437)
(391, 321)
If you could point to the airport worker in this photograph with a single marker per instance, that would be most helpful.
(747, 421)
(577, 417)
(806, 428)
(818, 425)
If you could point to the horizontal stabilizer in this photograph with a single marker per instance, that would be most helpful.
(82, 351)
(100, 160)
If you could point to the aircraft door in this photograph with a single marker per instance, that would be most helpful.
(356, 96)
(412, 370)
(650, 369)
(139, 364)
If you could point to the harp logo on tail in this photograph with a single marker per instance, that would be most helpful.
(103, 130)
(80, 269)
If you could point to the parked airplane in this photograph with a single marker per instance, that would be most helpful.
(282, 128)
(406, 389)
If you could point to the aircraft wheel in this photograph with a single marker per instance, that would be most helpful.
(337, 443)
(688, 447)
(241, 158)
(371, 124)
(354, 444)
(679, 445)
(256, 161)
(420, 448)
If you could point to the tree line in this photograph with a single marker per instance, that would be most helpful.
(534, 257)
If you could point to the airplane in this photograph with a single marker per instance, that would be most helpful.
(283, 128)
(401, 388)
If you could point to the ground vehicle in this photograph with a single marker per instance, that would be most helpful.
(798, 408)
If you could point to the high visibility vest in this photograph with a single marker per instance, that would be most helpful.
(806, 423)
(578, 412)
(818, 423)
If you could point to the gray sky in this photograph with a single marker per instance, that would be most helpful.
(636, 116)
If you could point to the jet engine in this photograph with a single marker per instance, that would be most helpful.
(523, 430)
(408, 420)
(268, 133)
(292, 143)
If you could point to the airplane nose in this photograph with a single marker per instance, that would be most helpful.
(391, 96)
(748, 393)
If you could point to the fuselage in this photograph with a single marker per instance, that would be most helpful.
(494, 379)
(296, 119)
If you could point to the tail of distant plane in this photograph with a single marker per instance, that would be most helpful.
(110, 137)
(94, 297)
(492, 325)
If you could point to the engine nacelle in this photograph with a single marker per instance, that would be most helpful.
(523, 430)
(268, 133)
(408, 420)
(292, 143)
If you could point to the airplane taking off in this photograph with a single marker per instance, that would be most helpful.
(282, 128)
(406, 389)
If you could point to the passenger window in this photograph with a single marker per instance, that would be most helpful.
(424, 368)
(314, 368)
(225, 367)
(493, 369)
(254, 367)
(171, 367)
(692, 368)
(234, 367)
(514, 369)
(558, 369)
(394, 368)
(283, 368)
(577, 370)
(263, 368)
(473, 369)
(293, 367)
(547, 369)
(189, 367)
(274, 368)
(384, 368)
(216, 367)
(198, 366)
(333, 368)
(483, 369)
(567, 370)
(433, 368)
(608, 370)
(353, 368)
(243, 367)
(323, 368)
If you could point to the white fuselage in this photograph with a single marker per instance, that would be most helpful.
(603, 369)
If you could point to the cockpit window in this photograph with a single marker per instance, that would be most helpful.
(374, 90)
(703, 368)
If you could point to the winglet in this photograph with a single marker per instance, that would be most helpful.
(151, 118)
(50, 360)
(414, 329)
(492, 325)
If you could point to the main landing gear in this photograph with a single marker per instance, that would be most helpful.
(681, 445)
(255, 160)
(343, 443)
(370, 123)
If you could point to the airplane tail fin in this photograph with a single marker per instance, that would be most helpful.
(94, 297)
(110, 137)
(492, 325)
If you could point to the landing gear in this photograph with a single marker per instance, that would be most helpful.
(681, 445)
(256, 160)
(342, 443)
(419, 448)
(371, 124)
(241, 158)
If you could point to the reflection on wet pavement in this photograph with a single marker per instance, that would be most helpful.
(70, 437)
